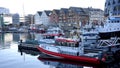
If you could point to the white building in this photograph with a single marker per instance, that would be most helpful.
(37, 18)
(7, 19)
(45, 19)
(96, 16)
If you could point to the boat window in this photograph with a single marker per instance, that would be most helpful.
(65, 44)
(58, 43)
(117, 21)
(108, 3)
(71, 44)
(76, 44)
(111, 21)
(62, 43)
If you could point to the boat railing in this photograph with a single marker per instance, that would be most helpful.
(68, 48)
(111, 42)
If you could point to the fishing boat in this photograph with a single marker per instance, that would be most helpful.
(50, 35)
(90, 35)
(110, 28)
(88, 32)
(69, 49)
(74, 50)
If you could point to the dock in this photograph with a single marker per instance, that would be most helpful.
(29, 45)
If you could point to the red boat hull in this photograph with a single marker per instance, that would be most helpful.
(71, 57)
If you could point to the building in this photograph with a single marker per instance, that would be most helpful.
(77, 14)
(4, 10)
(54, 17)
(15, 19)
(96, 16)
(45, 17)
(29, 19)
(63, 15)
(7, 19)
(113, 7)
(37, 18)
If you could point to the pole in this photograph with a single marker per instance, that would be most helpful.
(81, 46)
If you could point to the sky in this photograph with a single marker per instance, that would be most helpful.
(32, 6)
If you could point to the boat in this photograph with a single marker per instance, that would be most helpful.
(73, 51)
(50, 35)
(90, 35)
(110, 28)
(88, 32)
(54, 30)
(49, 38)
(55, 51)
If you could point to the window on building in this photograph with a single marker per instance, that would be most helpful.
(115, 9)
(108, 3)
(113, 1)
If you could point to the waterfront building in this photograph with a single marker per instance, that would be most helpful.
(45, 17)
(15, 19)
(63, 15)
(29, 19)
(113, 7)
(76, 15)
(54, 17)
(7, 19)
(37, 18)
(96, 16)
(4, 10)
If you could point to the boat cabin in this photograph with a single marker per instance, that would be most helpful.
(51, 36)
(67, 42)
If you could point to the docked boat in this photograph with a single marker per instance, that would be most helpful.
(90, 35)
(50, 35)
(70, 50)
(74, 50)
(88, 32)
(54, 30)
(110, 28)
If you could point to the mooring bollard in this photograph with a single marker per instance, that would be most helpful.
(20, 42)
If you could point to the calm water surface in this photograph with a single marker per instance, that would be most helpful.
(11, 57)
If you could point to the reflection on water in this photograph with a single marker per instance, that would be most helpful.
(62, 63)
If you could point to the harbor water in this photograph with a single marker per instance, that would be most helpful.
(12, 57)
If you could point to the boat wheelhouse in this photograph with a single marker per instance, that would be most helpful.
(67, 42)
(111, 28)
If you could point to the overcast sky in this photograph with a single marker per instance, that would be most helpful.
(31, 6)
